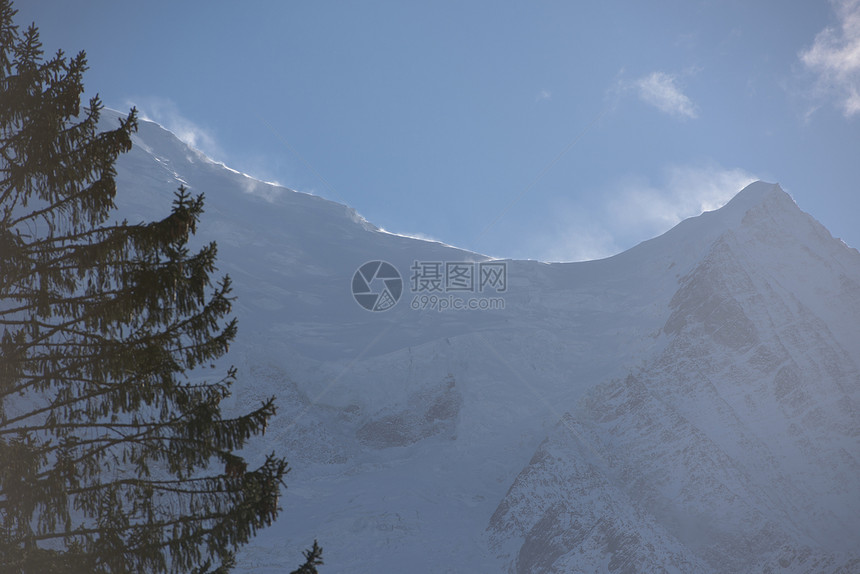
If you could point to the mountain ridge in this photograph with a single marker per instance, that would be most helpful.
(709, 392)
(422, 438)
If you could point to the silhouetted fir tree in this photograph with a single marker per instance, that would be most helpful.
(313, 558)
(114, 454)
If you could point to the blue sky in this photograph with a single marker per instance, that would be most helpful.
(543, 130)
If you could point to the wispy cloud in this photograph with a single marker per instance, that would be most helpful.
(543, 95)
(641, 207)
(661, 90)
(166, 113)
(570, 236)
(418, 236)
(835, 58)
(635, 209)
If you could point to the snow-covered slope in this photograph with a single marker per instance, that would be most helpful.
(739, 439)
(690, 405)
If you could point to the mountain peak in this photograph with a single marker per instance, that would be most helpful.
(756, 194)
(686, 243)
(759, 189)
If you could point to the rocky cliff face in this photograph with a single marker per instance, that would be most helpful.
(735, 448)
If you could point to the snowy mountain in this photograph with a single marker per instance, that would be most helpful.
(689, 405)
(737, 442)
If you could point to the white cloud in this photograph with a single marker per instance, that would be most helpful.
(570, 237)
(661, 91)
(265, 189)
(166, 113)
(686, 191)
(835, 58)
(418, 236)
(543, 95)
(633, 209)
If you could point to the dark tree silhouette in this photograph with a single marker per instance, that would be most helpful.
(313, 558)
(114, 454)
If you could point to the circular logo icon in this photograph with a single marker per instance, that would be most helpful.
(377, 286)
